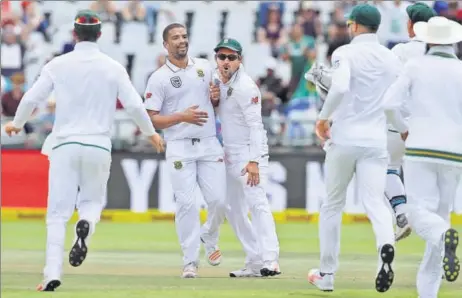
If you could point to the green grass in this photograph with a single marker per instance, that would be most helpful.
(144, 260)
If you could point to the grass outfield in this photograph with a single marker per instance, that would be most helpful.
(144, 260)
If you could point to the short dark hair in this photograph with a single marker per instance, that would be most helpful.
(170, 27)
(373, 29)
(87, 35)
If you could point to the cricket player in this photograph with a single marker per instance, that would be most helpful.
(362, 71)
(394, 189)
(87, 84)
(178, 99)
(246, 150)
(431, 86)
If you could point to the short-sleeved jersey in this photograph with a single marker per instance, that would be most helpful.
(171, 89)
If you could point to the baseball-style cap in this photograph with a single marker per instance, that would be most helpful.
(366, 15)
(420, 12)
(87, 21)
(229, 43)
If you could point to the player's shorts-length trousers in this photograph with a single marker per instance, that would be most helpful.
(431, 190)
(73, 166)
(258, 238)
(196, 163)
(369, 165)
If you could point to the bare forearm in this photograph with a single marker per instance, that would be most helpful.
(163, 122)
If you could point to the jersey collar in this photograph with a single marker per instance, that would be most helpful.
(366, 37)
(175, 68)
(86, 45)
(449, 49)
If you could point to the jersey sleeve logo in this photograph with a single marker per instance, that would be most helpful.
(336, 64)
(148, 95)
(255, 100)
(176, 82)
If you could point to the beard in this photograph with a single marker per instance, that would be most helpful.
(181, 53)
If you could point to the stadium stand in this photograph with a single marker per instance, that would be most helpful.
(281, 39)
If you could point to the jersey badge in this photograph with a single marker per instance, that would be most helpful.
(148, 95)
(176, 81)
(178, 165)
(230, 92)
(200, 73)
(255, 100)
(336, 64)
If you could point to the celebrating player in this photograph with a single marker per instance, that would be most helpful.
(431, 85)
(246, 152)
(86, 84)
(178, 100)
(362, 71)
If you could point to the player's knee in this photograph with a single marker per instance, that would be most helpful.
(333, 205)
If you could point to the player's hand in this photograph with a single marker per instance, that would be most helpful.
(323, 129)
(404, 135)
(214, 91)
(253, 173)
(194, 116)
(10, 129)
(157, 142)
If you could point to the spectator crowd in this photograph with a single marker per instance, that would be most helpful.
(289, 106)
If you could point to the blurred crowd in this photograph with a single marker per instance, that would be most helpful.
(289, 107)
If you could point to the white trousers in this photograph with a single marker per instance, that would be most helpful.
(258, 238)
(369, 165)
(431, 190)
(73, 166)
(192, 163)
(394, 188)
(395, 148)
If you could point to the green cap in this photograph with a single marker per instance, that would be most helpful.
(420, 12)
(229, 43)
(366, 15)
(87, 21)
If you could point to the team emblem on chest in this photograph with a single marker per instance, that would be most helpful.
(176, 81)
(200, 73)
(177, 165)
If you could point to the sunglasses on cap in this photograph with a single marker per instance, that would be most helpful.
(231, 57)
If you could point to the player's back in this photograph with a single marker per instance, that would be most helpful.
(86, 86)
(409, 50)
(435, 104)
(360, 119)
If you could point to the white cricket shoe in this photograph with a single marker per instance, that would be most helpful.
(212, 253)
(247, 271)
(403, 228)
(270, 269)
(190, 271)
(322, 282)
(48, 286)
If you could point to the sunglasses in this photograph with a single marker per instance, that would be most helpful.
(231, 57)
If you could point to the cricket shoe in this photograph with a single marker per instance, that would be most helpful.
(48, 286)
(324, 282)
(212, 253)
(248, 271)
(190, 271)
(451, 265)
(270, 269)
(403, 229)
(79, 251)
(385, 277)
